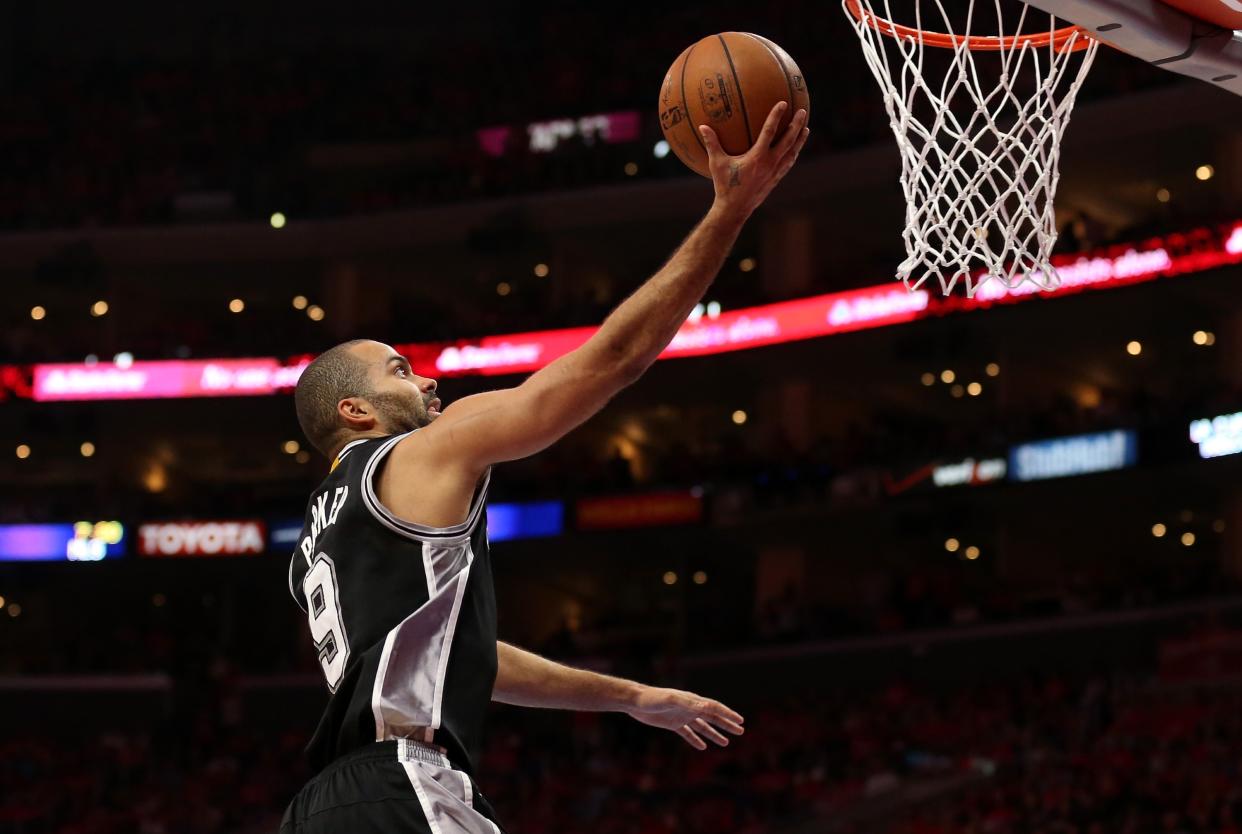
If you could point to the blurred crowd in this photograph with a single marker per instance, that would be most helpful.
(231, 135)
(1042, 754)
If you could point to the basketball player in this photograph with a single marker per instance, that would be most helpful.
(392, 565)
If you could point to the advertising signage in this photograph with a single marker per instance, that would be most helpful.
(202, 538)
(653, 509)
(879, 305)
(969, 472)
(1081, 454)
(509, 522)
(82, 541)
(1217, 436)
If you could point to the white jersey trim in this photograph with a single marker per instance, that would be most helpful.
(419, 532)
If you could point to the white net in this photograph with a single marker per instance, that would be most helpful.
(979, 134)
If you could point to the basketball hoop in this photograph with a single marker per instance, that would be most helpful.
(980, 141)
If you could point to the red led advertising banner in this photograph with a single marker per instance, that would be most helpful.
(751, 327)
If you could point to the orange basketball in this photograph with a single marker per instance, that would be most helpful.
(731, 82)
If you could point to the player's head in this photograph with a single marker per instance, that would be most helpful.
(361, 387)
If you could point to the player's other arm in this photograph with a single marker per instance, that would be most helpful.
(505, 425)
(527, 680)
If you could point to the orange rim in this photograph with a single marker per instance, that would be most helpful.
(976, 43)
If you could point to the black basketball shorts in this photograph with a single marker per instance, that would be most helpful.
(388, 787)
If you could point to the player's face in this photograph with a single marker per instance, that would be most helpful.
(405, 401)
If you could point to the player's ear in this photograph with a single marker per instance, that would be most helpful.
(356, 413)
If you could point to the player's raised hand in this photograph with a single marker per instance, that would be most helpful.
(743, 182)
(691, 716)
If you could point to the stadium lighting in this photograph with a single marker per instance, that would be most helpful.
(992, 369)
(1204, 173)
(23, 451)
(631, 168)
(1188, 539)
(1134, 348)
(300, 302)
(291, 447)
(541, 270)
(739, 417)
(957, 391)
(746, 264)
(928, 379)
(1163, 195)
(87, 449)
(947, 376)
(1158, 530)
(1204, 337)
(1, 602)
(14, 610)
(974, 389)
(99, 308)
(972, 553)
(661, 149)
(315, 312)
(123, 360)
(503, 288)
(700, 577)
(237, 305)
(278, 220)
(952, 545)
(38, 313)
(302, 456)
(670, 578)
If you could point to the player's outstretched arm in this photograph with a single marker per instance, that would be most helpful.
(527, 680)
(505, 425)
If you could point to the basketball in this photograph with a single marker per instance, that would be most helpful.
(730, 81)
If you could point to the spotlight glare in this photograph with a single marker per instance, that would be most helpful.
(99, 308)
(1204, 173)
(972, 553)
(299, 302)
(928, 379)
(1134, 348)
(992, 369)
(740, 417)
(670, 578)
(1158, 530)
(38, 313)
(957, 391)
(123, 360)
(278, 220)
(503, 288)
(747, 264)
(1163, 195)
(541, 270)
(700, 577)
(87, 449)
(952, 545)
(947, 376)
(974, 389)
(237, 305)
(661, 149)
(315, 312)
(291, 447)
(1188, 539)
(23, 451)
(631, 168)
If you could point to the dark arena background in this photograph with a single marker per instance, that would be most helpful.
(966, 565)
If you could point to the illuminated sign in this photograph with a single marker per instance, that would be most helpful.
(969, 471)
(284, 535)
(201, 538)
(1078, 455)
(157, 379)
(508, 522)
(83, 541)
(1217, 436)
(741, 329)
(649, 510)
(610, 128)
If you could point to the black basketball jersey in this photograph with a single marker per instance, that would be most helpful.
(403, 615)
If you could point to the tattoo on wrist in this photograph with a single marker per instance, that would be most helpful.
(735, 174)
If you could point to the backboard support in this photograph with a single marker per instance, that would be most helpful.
(1163, 35)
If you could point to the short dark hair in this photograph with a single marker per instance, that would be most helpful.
(334, 375)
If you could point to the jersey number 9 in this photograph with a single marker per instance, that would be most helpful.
(326, 626)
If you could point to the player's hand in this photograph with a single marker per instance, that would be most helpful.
(743, 182)
(691, 716)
